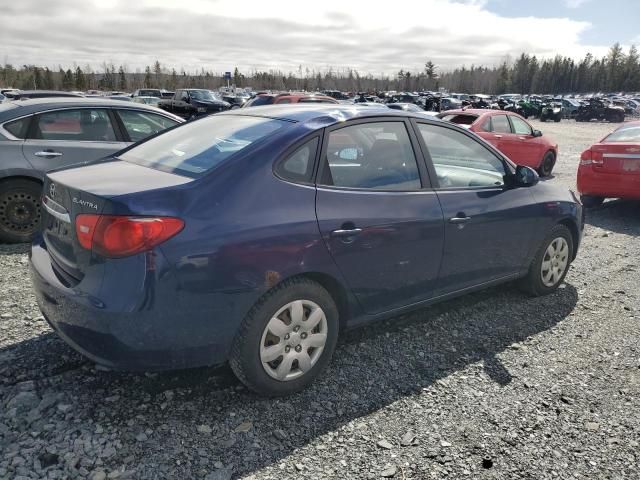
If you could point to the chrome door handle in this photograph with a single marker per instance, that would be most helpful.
(498, 136)
(346, 233)
(459, 219)
(522, 138)
(47, 154)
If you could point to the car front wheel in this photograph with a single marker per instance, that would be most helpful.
(547, 164)
(287, 339)
(551, 263)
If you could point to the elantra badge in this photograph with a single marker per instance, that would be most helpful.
(52, 191)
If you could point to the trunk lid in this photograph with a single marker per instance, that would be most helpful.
(621, 158)
(114, 187)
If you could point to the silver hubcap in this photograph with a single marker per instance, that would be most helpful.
(555, 262)
(293, 340)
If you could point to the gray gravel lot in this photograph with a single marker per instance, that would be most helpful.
(492, 385)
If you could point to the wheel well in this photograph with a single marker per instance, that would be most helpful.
(337, 292)
(574, 234)
(21, 177)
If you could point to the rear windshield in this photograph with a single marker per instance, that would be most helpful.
(628, 134)
(460, 119)
(194, 148)
(261, 100)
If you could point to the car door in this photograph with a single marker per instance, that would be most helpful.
(527, 149)
(63, 137)
(504, 138)
(488, 227)
(377, 214)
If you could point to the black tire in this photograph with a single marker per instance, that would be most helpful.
(533, 283)
(591, 201)
(543, 119)
(547, 164)
(245, 358)
(557, 119)
(19, 210)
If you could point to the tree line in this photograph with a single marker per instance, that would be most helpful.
(617, 71)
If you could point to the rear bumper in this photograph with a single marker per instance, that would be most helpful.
(130, 325)
(609, 185)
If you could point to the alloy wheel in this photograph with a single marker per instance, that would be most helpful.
(293, 340)
(555, 262)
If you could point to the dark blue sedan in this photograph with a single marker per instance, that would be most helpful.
(256, 236)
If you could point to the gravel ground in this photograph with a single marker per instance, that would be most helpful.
(492, 385)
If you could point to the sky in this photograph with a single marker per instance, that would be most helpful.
(218, 35)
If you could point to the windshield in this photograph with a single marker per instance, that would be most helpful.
(261, 100)
(460, 119)
(628, 134)
(197, 147)
(202, 95)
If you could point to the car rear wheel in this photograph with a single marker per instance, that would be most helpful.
(551, 263)
(546, 166)
(19, 210)
(287, 339)
(590, 201)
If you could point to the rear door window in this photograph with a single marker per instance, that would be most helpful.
(81, 125)
(500, 124)
(376, 155)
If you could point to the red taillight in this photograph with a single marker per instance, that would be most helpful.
(120, 236)
(591, 157)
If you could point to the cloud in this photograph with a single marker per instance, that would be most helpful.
(575, 3)
(219, 35)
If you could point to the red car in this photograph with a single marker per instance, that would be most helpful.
(279, 98)
(611, 167)
(511, 134)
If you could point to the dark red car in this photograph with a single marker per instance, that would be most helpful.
(611, 167)
(281, 98)
(511, 134)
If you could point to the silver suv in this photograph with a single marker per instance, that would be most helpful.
(37, 136)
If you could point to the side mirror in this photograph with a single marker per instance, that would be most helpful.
(537, 133)
(525, 176)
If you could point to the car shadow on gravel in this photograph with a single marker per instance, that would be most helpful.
(373, 367)
(619, 216)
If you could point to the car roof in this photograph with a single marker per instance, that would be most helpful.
(322, 115)
(476, 111)
(19, 108)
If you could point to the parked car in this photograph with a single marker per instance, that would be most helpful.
(598, 109)
(611, 167)
(281, 98)
(570, 107)
(511, 134)
(148, 92)
(122, 98)
(257, 237)
(236, 101)
(191, 103)
(551, 111)
(154, 101)
(26, 94)
(37, 136)
(407, 107)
